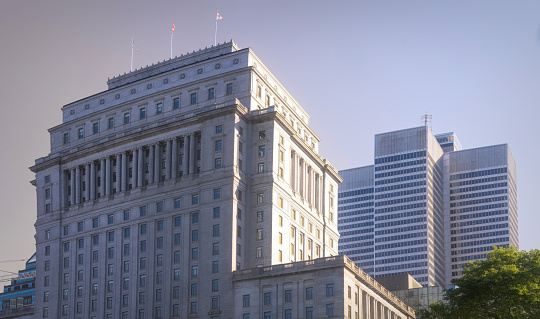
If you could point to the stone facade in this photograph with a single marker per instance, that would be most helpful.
(182, 172)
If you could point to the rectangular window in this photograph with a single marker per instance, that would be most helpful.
(48, 193)
(66, 138)
(216, 212)
(288, 295)
(195, 235)
(259, 234)
(217, 193)
(267, 298)
(81, 132)
(215, 231)
(215, 285)
(110, 122)
(219, 129)
(329, 290)
(215, 267)
(215, 249)
(309, 293)
(176, 203)
(330, 310)
(217, 162)
(177, 221)
(215, 304)
(245, 301)
(195, 218)
(110, 219)
(194, 271)
(126, 118)
(260, 198)
(194, 289)
(176, 103)
(142, 245)
(229, 90)
(127, 232)
(211, 94)
(195, 201)
(288, 313)
(80, 226)
(262, 150)
(259, 252)
(260, 168)
(126, 215)
(95, 223)
(309, 312)
(159, 242)
(142, 113)
(195, 253)
(218, 145)
(193, 98)
(159, 108)
(95, 240)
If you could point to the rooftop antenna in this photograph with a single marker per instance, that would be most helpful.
(426, 119)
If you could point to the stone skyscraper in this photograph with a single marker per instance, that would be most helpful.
(170, 193)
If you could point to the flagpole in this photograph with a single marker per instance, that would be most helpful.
(215, 34)
(171, 44)
(131, 67)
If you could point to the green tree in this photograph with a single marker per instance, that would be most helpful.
(506, 285)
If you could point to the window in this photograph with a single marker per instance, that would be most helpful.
(280, 256)
(177, 221)
(127, 232)
(195, 201)
(195, 253)
(330, 310)
(288, 295)
(126, 118)
(80, 259)
(309, 312)
(126, 215)
(215, 249)
(159, 277)
(80, 226)
(142, 245)
(194, 271)
(216, 213)
(193, 307)
(110, 236)
(259, 234)
(229, 89)
(110, 219)
(262, 150)
(259, 91)
(47, 265)
(217, 162)
(280, 220)
(260, 198)
(81, 132)
(48, 193)
(260, 168)
(95, 255)
(194, 289)
(195, 218)
(66, 230)
(246, 316)
(309, 293)
(46, 281)
(267, 298)
(219, 129)
(158, 294)
(142, 280)
(215, 304)
(159, 260)
(268, 100)
(159, 225)
(217, 193)
(110, 269)
(110, 252)
(176, 103)
(262, 135)
(329, 290)
(211, 94)
(159, 242)
(193, 98)
(47, 250)
(110, 122)
(215, 231)
(259, 252)
(215, 267)
(159, 108)
(288, 313)
(110, 285)
(142, 113)
(195, 235)
(176, 292)
(218, 145)
(66, 138)
(280, 202)
(95, 240)
(215, 285)
(66, 246)
(280, 238)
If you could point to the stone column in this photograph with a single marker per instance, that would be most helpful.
(77, 185)
(108, 176)
(168, 167)
(87, 182)
(140, 167)
(151, 164)
(192, 154)
(157, 163)
(186, 154)
(72, 197)
(174, 158)
(123, 184)
(118, 172)
(102, 177)
(135, 168)
(92, 185)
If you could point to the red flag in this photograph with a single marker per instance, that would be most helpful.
(172, 28)
(219, 17)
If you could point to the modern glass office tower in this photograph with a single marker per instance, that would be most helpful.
(404, 214)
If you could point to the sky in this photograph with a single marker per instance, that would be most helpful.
(358, 68)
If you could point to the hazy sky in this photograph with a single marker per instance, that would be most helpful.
(357, 67)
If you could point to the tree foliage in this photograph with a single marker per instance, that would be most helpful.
(506, 285)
